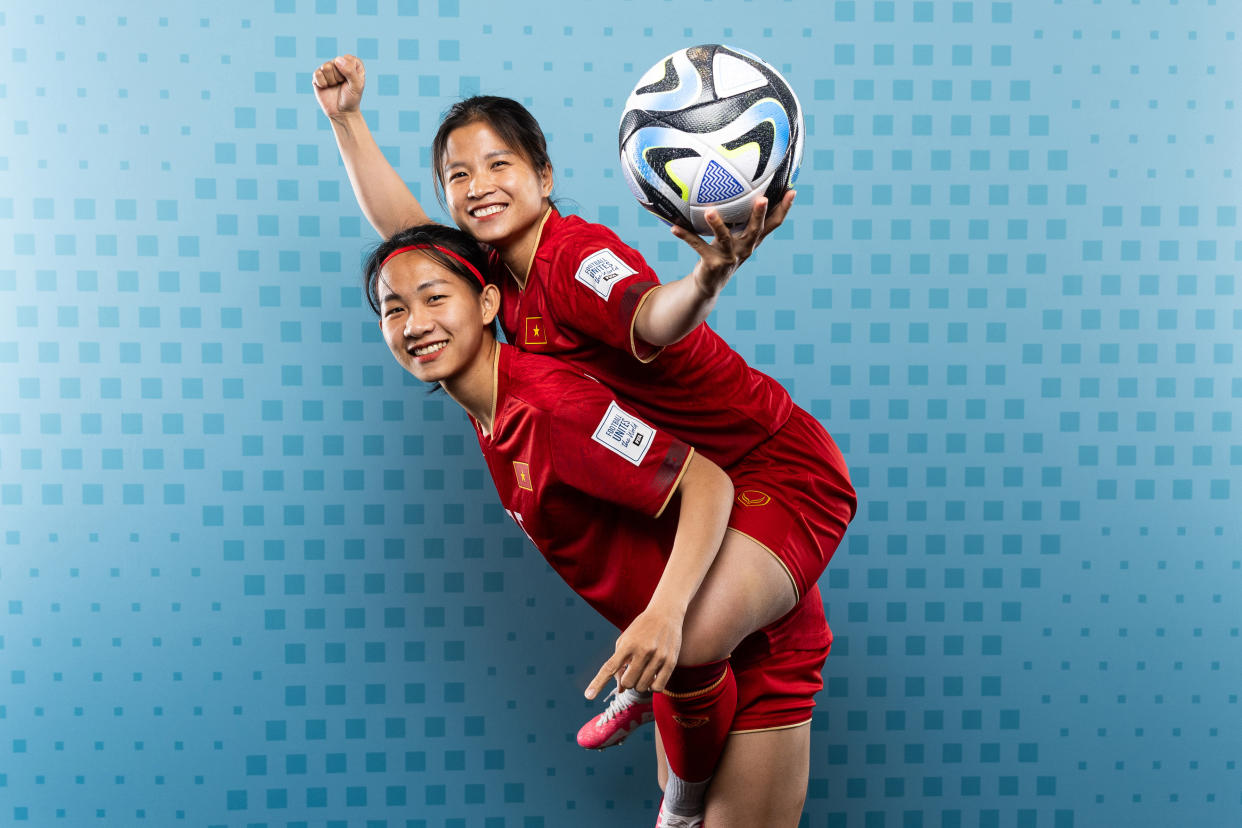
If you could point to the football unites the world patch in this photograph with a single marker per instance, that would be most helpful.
(624, 434)
(601, 270)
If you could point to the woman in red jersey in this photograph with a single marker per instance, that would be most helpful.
(573, 289)
(590, 483)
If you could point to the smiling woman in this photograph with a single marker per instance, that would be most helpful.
(572, 289)
(433, 333)
(571, 463)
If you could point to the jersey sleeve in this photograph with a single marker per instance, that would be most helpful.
(601, 285)
(605, 451)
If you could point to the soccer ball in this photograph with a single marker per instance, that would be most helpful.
(710, 127)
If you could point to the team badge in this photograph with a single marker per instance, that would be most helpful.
(522, 472)
(691, 722)
(752, 497)
(624, 434)
(536, 333)
(601, 270)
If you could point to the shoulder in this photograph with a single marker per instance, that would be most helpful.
(575, 239)
(581, 251)
(546, 384)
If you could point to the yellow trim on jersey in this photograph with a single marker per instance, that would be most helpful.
(769, 729)
(676, 482)
(495, 387)
(634, 321)
(784, 565)
(521, 280)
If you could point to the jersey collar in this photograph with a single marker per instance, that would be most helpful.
(550, 219)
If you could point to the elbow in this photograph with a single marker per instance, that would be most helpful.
(652, 325)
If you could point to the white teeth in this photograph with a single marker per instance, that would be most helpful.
(488, 211)
(430, 349)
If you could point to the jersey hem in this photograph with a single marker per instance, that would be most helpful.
(634, 340)
(676, 483)
(770, 729)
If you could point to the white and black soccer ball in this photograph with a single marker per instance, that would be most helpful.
(710, 127)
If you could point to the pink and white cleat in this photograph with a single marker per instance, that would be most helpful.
(626, 711)
(668, 819)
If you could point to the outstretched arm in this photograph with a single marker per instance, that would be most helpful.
(385, 200)
(646, 653)
(676, 308)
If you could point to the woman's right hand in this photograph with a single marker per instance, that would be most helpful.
(338, 85)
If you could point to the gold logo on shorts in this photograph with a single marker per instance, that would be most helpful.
(691, 722)
(752, 497)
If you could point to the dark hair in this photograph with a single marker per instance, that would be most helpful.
(511, 121)
(449, 238)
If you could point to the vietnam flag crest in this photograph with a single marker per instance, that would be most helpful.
(522, 472)
(536, 333)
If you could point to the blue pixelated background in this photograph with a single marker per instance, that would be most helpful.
(253, 575)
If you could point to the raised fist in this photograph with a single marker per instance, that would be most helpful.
(338, 85)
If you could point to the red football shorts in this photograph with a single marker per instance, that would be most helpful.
(777, 690)
(794, 498)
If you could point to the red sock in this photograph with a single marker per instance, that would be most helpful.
(694, 713)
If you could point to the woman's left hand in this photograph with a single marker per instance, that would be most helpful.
(720, 259)
(645, 655)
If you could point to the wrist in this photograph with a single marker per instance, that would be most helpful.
(347, 121)
(670, 607)
(707, 287)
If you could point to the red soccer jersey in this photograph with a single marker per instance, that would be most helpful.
(586, 479)
(581, 297)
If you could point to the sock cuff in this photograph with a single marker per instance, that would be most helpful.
(698, 680)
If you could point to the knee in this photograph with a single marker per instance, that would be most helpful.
(706, 638)
(703, 650)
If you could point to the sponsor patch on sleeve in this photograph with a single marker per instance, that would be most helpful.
(624, 434)
(601, 270)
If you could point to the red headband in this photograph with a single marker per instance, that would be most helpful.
(444, 250)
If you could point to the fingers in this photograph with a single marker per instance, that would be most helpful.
(692, 239)
(724, 239)
(777, 214)
(341, 69)
(636, 668)
(646, 681)
(610, 668)
(749, 237)
(661, 678)
(327, 76)
(351, 69)
(758, 211)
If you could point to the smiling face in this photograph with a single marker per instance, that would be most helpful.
(436, 325)
(493, 191)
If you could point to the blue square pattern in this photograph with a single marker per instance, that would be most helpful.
(256, 575)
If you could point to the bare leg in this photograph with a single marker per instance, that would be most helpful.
(661, 761)
(761, 780)
(746, 589)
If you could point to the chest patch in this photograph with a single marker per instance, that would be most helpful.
(521, 471)
(536, 333)
(624, 434)
(601, 270)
